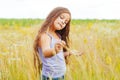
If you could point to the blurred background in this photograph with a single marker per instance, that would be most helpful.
(80, 9)
(95, 31)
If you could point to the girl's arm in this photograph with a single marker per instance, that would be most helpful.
(73, 52)
(44, 43)
(67, 53)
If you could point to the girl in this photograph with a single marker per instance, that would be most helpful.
(50, 43)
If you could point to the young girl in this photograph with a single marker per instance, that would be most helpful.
(50, 43)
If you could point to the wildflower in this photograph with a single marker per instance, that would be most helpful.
(85, 41)
(108, 60)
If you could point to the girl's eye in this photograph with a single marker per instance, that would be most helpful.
(61, 17)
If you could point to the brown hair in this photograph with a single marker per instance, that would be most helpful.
(47, 23)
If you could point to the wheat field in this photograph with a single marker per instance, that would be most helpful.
(98, 39)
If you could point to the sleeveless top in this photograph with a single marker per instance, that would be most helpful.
(54, 66)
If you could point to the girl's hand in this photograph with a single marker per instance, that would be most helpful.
(77, 53)
(59, 46)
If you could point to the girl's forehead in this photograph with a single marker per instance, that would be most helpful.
(66, 15)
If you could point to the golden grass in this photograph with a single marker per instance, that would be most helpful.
(100, 42)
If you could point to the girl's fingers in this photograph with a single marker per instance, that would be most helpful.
(58, 47)
(80, 53)
(77, 53)
(63, 42)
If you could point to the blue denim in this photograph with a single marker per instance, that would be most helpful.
(47, 78)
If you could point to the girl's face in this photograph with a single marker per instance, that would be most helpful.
(61, 21)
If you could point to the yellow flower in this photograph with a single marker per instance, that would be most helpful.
(85, 41)
(89, 26)
(98, 44)
(108, 60)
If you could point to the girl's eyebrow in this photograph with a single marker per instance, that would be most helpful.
(62, 16)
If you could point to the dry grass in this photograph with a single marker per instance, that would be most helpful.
(100, 42)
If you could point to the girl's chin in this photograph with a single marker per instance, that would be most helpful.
(59, 28)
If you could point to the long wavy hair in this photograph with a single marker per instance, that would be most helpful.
(56, 12)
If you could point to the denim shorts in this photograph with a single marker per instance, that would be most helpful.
(47, 78)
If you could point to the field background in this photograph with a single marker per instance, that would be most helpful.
(98, 39)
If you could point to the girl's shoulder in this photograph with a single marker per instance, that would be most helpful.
(44, 36)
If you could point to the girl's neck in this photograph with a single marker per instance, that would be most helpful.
(54, 34)
(52, 30)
